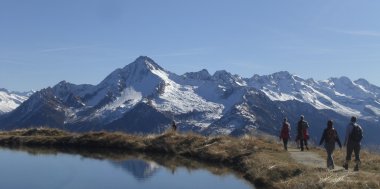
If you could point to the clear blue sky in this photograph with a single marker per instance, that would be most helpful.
(44, 41)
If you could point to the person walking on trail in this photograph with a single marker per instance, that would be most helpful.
(302, 132)
(285, 133)
(354, 135)
(330, 137)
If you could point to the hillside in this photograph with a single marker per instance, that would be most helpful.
(260, 160)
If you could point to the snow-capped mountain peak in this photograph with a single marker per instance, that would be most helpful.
(136, 71)
(363, 82)
(368, 86)
(281, 75)
(10, 100)
(343, 80)
(143, 63)
(226, 78)
(345, 85)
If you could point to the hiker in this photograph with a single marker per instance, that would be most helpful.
(329, 137)
(285, 133)
(302, 132)
(354, 135)
(174, 126)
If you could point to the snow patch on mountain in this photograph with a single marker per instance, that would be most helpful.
(372, 110)
(182, 99)
(225, 78)
(11, 100)
(329, 94)
(178, 98)
(127, 100)
(221, 88)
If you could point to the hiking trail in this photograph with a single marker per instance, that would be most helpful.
(310, 158)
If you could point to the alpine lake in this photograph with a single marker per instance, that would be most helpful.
(46, 168)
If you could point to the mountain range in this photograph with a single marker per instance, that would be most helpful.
(143, 97)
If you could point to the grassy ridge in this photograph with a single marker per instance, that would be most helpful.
(260, 161)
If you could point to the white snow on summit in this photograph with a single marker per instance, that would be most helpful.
(11, 100)
(339, 94)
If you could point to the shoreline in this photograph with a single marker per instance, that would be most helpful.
(234, 153)
(260, 160)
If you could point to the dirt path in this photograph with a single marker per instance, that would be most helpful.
(337, 175)
(310, 158)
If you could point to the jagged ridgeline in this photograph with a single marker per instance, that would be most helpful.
(143, 97)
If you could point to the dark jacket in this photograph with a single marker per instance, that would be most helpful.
(302, 128)
(325, 138)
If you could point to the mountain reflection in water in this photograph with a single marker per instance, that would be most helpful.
(49, 168)
(139, 169)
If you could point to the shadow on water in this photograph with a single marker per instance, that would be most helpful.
(141, 166)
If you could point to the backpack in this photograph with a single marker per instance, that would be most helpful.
(357, 133)
(330, 135)
(305, 132)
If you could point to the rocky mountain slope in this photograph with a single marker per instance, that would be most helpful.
(143, 97)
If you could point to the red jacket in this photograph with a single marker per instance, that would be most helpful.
(285, 131)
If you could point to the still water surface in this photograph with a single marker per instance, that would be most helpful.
(20, 170)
